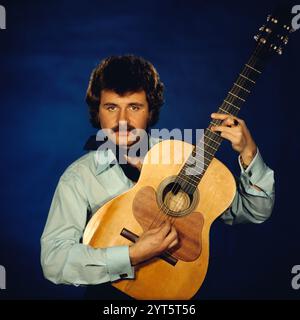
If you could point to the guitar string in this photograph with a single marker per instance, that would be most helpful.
(210, 134)
(188, 183)
(246, 73)
(234, 92)
(240, 82)
(254, 58)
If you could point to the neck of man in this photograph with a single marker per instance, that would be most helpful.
(140, 149)
(129, 170)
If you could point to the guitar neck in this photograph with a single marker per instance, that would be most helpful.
(232, 104)
(204, 151)
(273, 36)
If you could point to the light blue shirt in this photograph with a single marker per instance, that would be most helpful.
(87, 184)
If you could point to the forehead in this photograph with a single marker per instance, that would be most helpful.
(128, 97)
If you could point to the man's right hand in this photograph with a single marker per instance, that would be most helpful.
(153, 242)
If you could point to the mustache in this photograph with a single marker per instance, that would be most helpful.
(127, 127)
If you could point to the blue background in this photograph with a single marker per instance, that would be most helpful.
(198, 47)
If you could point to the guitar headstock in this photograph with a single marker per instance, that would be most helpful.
(274, 35)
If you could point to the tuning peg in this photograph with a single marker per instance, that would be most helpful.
(256, 37)
(268, 30)
(279, 51)
(263, 40)
(262, 28)
(274, 20)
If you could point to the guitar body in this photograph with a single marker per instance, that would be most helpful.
(138, 209)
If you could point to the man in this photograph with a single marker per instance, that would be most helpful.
(124, 94)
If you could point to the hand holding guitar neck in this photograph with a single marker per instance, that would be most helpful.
(235, 130)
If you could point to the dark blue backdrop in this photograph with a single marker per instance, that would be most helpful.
(198, 47)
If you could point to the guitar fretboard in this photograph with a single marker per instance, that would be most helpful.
(204, 151)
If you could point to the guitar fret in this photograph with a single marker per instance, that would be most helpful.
(192, 176)
(205, 150)
(212, 139)
(210, 146)
(216, 123)
(231, 104)
(185, 180)
(192, 166)
(247, 78)
(247, 65)
(237, 96)
(197, 173)
(248, 91)
(225, 111)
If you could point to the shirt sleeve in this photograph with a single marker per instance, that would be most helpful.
(63, 258)
(255, 196)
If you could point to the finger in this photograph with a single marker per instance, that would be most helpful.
(219, 116)
(165, 228)
(228, 136)
(170, 237)
(173, 243)
(159, 228)
(222, 129)
(230, 122)
(223, 116)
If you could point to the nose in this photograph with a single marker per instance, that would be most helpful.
(123, 116)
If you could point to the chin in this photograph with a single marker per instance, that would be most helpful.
(124, 141)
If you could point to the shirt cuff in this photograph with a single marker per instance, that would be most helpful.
(118, 263)
(255, 171)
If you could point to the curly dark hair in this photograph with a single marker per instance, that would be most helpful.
(123, 74)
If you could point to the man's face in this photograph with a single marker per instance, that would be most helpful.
(122, 114)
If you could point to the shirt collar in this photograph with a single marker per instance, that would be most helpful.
(104, 159)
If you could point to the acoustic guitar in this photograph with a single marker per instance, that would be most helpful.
(190, 201)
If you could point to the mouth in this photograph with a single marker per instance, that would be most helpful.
(122, 133)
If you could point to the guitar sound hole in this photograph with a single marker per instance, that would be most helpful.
(176, 199)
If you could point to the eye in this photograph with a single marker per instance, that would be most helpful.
(134, 107)
(111, 108)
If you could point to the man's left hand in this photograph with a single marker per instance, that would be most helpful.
(236, 131)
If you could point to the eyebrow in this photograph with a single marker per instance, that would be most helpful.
(110, 104)
(130, 103)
